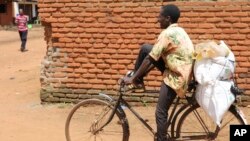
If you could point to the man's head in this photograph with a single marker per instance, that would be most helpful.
(21, 11)
(169, 14)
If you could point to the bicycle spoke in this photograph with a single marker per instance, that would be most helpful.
(86, 119)
(195, 121)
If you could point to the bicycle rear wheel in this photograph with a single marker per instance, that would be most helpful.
(88, 116)
(195, 124)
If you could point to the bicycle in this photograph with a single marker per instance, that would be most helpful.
(106, 120)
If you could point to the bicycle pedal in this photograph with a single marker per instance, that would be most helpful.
(119, 122)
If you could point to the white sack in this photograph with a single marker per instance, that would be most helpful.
(215, 99)
(206, 71)
(213, 76)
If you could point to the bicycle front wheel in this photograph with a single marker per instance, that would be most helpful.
(195, 124)
(85, 119)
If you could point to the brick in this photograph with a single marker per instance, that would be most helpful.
(110, 82)
(96, 71)
(85, 86)
(65, 9)
(81, 60)
(42, 5)
(92, 10)
(244, 64)
(223, 25)
(71, 24)
(229, 31)
(79, 50)
(92, 30)
(71, 15)
(73, 65)
(110, 61)
(72, 4)
(80, 70)
(131, 4)
(96, 86)
(244, 43)
(215, 9)
(239, 14)
(206, 15)
(73, 75)
(103, 66)
(140, 9)
(64, 20)
(76, 9)
(231, 19)
(57, 5)
(118, 10)
(205, 37)
(65, 1)
(118, 66)
(206, 26)
(128, 15)
(110, 71)
(66, 40)
(223, 14)
(237, 37)
(103, 20)
(96, 61)
(47, 10)
(58, 44)
(59, 75)
(245, 19)
(88, 65)
(240, 25)
(44, 15)
(118, 19)
(103, 76)
(241, 59)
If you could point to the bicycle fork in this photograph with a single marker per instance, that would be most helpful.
(116, 110)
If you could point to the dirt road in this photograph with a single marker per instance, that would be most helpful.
(22, 117)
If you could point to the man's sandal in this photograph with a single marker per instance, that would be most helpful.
(137, 88)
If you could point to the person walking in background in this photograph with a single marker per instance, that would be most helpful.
(22, 21)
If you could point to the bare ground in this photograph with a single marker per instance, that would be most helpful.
(22, 117)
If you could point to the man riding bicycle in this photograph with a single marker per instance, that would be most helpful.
(172, 55)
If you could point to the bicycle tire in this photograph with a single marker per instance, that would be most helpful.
(189, 128)
(90, 114)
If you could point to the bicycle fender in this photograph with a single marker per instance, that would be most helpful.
(106, 97)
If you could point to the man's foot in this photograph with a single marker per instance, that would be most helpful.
(137, 88)
(23, 50)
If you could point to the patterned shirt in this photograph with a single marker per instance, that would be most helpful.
(176, 49)
(21, 21)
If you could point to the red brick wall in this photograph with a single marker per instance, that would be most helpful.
(92, 43)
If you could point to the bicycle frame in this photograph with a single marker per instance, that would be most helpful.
(120, 103)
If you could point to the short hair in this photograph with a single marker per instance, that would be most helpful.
(172, 11)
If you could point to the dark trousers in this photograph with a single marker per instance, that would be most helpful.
(144, 51)
(23, 37)
(166, 95)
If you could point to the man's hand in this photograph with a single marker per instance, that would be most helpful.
(128, 80)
